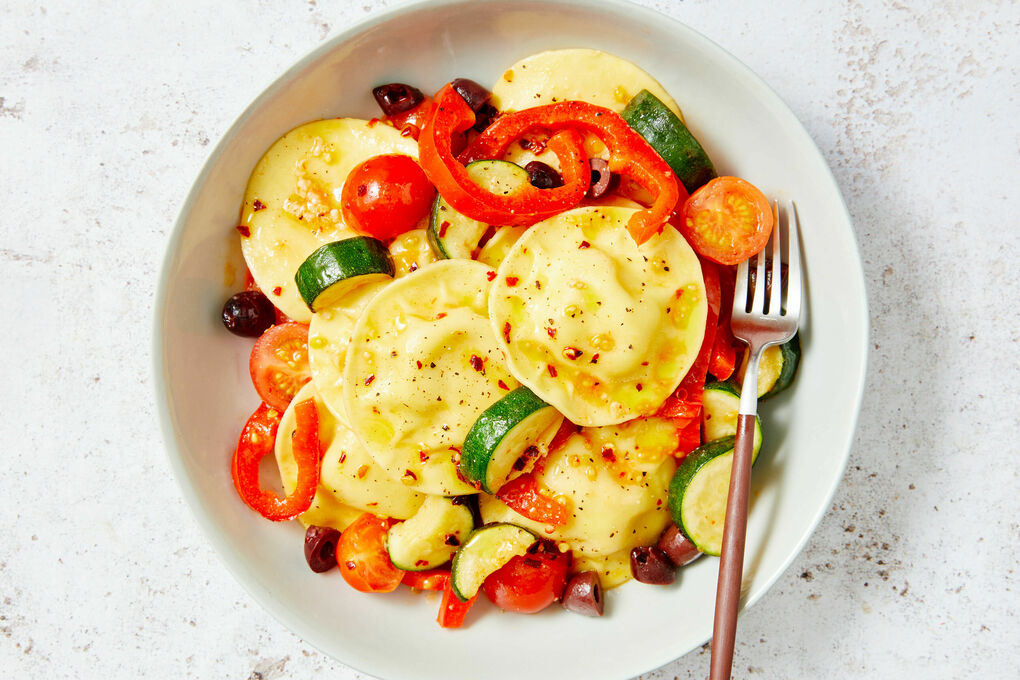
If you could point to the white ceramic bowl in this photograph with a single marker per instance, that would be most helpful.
(204, 391)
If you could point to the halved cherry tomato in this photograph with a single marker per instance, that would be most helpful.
(432, 579)
(386, 196)
(279, 363)
(727, 220)
(528, 583)
(362, 556)
(522, 496)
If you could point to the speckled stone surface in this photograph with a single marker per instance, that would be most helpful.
(107, 111)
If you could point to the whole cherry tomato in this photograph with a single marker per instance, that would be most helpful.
(386, 196)
(528, 583)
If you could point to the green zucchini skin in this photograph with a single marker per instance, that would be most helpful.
(430, 537)
(791, 360)
(486, 550)
(682, 479)
(339, 266)
(491, 428)
(667, 134)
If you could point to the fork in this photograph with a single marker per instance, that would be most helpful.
(760, 322)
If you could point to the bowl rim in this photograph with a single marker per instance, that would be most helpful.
(277, 608)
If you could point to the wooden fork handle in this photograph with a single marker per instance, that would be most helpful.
(731, 563)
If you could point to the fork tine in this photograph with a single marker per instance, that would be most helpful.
(776, 298)
(758, 305)
(740, 289)
(793, 294)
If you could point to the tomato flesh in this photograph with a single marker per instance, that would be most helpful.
(386, 196)
(727, 220)
(363, 559)
(528, 583)
(279, 363)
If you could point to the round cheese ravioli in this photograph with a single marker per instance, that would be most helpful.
(422, 365)
(292, 203)
(574, 74)
(329, 335)
(598, 327)
(614, 480)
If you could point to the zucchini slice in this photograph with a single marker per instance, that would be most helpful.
(486, 550)
(667, 134)
(431, 537)
(453, 235)
(337, 268)
(499, 441)
(698, 492)
(777, 368)
(720, 407)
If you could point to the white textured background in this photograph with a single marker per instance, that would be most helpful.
(107, 111)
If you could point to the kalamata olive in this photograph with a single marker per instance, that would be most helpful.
(601, 178)
(651, 565)
(474, 94)
(248, 314)
(320, 547)
(397, 98)
(484, 117)
(543, 176)
(583, 594)
(678, 548)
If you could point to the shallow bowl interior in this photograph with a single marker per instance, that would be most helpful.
(205, 394)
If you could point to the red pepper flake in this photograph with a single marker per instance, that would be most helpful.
(440, 315)
(679, 293)
(410, 476)
(638, 387)
(502, 385)
(550, 331)
(477, 363)
(423, 457)
(362, 189)
(243, 230)
(608, 454)
(658, 502)
(258, 205)
(443, 226)
(512, 281)
(413, 267)
(351, 564)
(490, 275)
(343, 457)
(506, 331)
(419, 364)
(451, 540)
(455, 449)
(572, 353)
(373, 504)
(551, 369)
(644, 363)
(369, 379)
(583, 245)
(362, 471)
(277, 290)
(594, 358)
(410, 130)
(421, 563)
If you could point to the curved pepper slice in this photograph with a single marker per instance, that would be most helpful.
(523, 496)
(524, 207)
(629, 154)
(257, 441)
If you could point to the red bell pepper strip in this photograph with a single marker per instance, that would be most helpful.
(529, 204)
(725, 347)
(523, 497)
(257, 440)
(685, 402)
(432, 579)
(689, 437)
(629, 154)
(451, 610)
